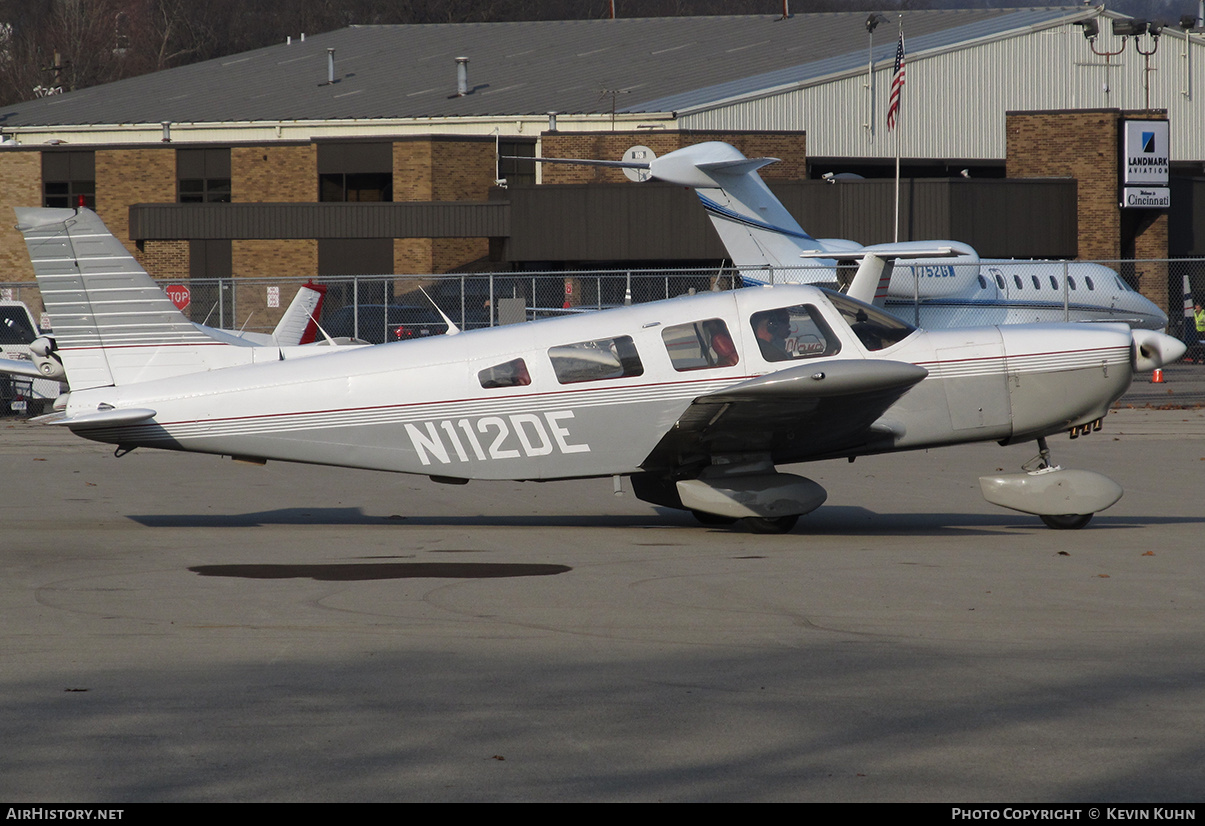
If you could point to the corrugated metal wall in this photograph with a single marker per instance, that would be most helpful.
(954, 103)
(160, 222)
(615, 222)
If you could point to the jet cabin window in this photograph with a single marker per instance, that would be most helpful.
(873, 327)
(796, 332)
(700, 346)
(511, 374)
(604, 358)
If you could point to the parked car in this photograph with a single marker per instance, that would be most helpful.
(379, 323)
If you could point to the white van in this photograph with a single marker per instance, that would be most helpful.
(23, 395)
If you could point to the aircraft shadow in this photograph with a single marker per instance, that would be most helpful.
(363, 572)
(833, 519)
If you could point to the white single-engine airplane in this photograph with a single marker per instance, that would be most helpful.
(697, 399)
(952, 286)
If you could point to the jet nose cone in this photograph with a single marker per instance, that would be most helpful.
(1152, 349)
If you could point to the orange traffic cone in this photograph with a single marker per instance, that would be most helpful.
(1157, 376)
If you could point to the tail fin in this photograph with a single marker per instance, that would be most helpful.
(299, 324)
(754, 226)
(112, 322)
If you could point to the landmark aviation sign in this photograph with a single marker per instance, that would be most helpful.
(1144, 165)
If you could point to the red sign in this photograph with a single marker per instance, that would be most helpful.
(179, 295)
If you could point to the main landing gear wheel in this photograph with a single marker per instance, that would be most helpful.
(705, 518)
(1066, 521)
(760, 524)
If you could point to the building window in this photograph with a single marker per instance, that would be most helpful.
(203, 176)
(69, 179)
(513, 166)
(355, 171)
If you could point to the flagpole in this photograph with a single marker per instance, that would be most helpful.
(893, 114)
(897, 187)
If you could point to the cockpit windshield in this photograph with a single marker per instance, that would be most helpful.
(873, 327)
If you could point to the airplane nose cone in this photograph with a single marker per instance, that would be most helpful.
(1151, 349)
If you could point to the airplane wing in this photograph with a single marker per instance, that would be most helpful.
(15, 367)
(799, 413)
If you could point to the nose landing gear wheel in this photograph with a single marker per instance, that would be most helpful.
(1066, 521)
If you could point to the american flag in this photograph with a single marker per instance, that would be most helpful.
(897, 85)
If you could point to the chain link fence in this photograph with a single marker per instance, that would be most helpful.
(385, 307)
(380, 308)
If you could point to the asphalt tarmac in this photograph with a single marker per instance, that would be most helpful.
(186, 628)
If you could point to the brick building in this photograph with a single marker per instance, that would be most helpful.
(360, 152)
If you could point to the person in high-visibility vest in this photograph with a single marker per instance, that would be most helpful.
(1197, 351)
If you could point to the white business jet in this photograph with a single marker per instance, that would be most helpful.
(697, 399)
(955, 288)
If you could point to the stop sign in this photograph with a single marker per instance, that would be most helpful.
(179, 295)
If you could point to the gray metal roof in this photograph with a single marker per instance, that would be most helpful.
(652, 65)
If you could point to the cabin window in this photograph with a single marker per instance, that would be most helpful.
(873, 327)
(1088, 282)
(1071, 281)
(1037, 285)
(1000, 281)
(797, 332)
(509, 374)
(982, 283)
(1054, 283)
(1017, 281)
(604, 358)
(700, 345)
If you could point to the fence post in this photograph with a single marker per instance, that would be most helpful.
(1066, 295)
(915, 296)
(355, 306)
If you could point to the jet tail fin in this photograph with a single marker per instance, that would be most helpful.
(112, 322)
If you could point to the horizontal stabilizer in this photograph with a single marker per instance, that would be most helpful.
(883, 251)
(582, 162)
(101, 418)
(741, 167)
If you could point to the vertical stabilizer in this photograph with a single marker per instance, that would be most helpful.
(754, 226)
(112, 322)
(299, 324)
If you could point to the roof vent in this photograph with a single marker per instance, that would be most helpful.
(330, 65)
(462, 76)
